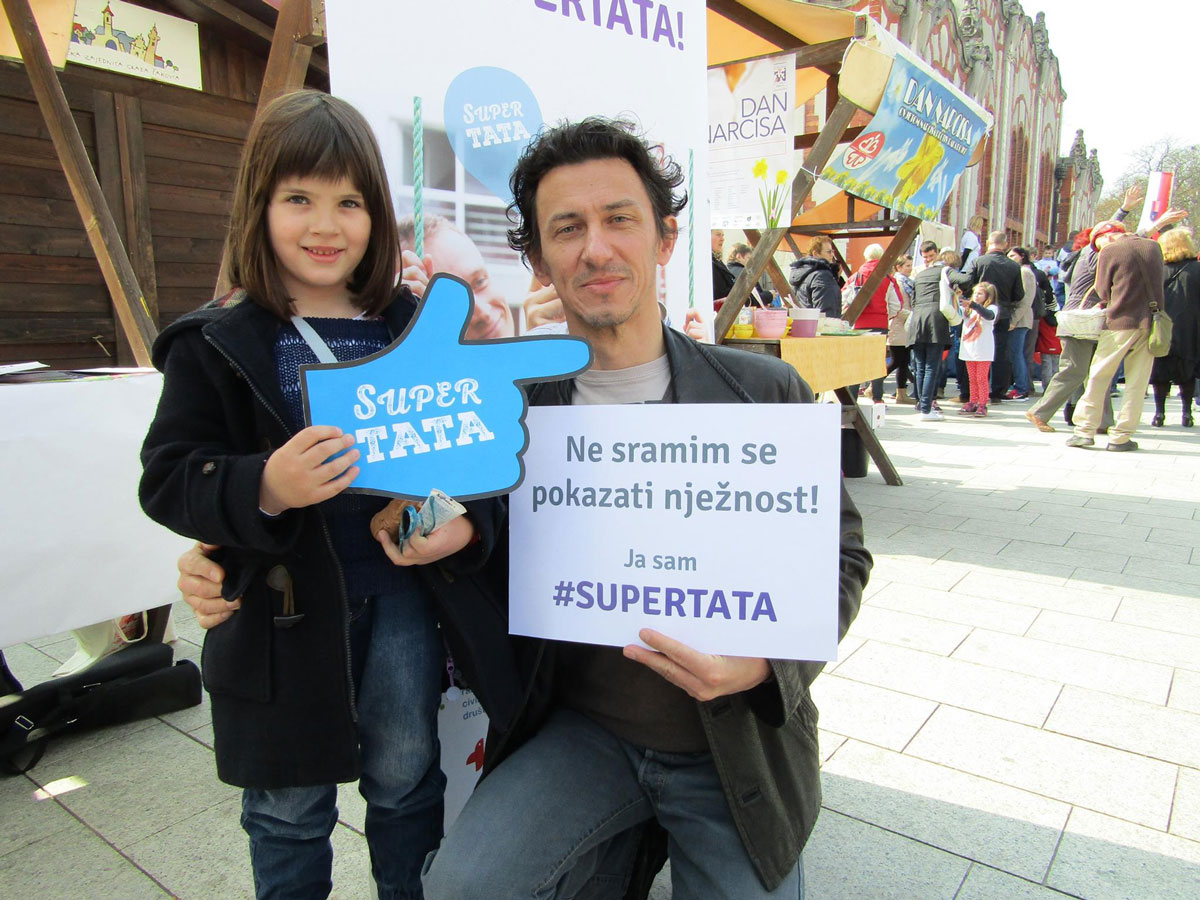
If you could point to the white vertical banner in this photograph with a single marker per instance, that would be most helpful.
(750, 143)
(489, 74)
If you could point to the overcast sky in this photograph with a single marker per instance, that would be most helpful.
(1114, 57)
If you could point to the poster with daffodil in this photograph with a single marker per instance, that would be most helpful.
(750, 146)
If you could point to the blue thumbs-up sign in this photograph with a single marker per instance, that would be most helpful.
(433, 410)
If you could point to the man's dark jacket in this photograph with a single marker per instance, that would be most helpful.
(816, 283)
(996, 269)
(763, 741)
(282, 698)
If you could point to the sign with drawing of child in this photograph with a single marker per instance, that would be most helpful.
(921, 139)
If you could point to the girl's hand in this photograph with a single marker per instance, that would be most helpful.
(301, 473)
(438, 544)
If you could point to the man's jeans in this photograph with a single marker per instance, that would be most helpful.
(1016, 357)
(562, 818)
(1001, 370)
(927, 369)
(397, 661)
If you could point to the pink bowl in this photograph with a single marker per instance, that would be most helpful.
(770, 323)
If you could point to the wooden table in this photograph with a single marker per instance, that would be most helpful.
(832, 363)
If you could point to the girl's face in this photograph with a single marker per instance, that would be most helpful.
(319, 231)
(979, 296)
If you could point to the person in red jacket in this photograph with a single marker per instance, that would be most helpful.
(884, 305)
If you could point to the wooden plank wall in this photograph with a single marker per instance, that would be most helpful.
(166, 158)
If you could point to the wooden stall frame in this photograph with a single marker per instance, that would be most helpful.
(827, 57)
(120, 278)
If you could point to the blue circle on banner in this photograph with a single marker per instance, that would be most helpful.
(490, 114)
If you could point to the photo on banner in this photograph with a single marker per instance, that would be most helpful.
(488, 76)
(921, 139)
(750, 142)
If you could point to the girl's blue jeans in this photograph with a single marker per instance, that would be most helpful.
(397, 659)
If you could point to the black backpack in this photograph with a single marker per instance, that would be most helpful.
(133, 683)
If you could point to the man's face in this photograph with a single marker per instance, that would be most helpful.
(456, 254)
(930, 256)
(599, 244)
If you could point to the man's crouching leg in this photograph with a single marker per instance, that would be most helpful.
(559, 819)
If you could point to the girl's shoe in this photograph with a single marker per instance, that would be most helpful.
(1159, 419)
(981, 411)
(967, 408)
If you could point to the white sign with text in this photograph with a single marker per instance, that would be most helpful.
(716, 525)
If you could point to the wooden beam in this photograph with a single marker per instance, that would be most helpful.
(778, 279)
(802, 185)
(908, 231)
(108, 169)
(85, 188)
(287, 65)
(138, 231)
(754, 23)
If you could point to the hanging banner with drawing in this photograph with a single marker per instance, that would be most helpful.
(921, 139)
(750, 141)
(132, 40)
(488, 76)
(718, 530)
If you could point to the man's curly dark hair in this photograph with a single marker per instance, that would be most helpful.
(569, 143)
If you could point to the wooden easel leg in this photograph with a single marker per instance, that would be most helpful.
(874, 449)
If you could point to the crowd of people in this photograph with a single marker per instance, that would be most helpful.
(1000, 319)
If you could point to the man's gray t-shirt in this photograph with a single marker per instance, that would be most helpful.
(632, 701)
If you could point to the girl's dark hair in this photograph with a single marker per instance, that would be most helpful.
(309, 134)
(1026, 259)
(570, 143)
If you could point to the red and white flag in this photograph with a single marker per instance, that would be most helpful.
(1158, 198)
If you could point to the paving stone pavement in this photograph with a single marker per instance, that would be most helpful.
(1015, 714)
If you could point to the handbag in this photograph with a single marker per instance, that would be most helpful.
(1083, 322)
(136, 683)
(1160, 331)
(946, 305)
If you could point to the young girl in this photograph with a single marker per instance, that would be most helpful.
(330, 671)
(978, 345)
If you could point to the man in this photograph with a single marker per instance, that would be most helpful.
(816, 280)
(613, 746)
(737, 259)
(1129, 283)
(449, 250)
(929, 253)
(722, 278)
(995, 268)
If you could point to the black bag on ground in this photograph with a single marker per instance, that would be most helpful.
(134, 683)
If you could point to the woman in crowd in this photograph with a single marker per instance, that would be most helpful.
(929, 334)
(1022, 326)
(898, 331)
(884, 305)
(1181, 365)
(815, 278)
(1067, 384)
